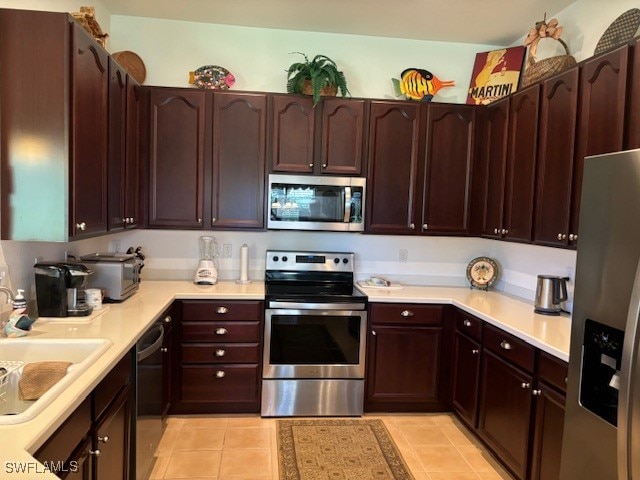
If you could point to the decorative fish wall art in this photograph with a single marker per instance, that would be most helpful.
(419, 84)
(212, 77)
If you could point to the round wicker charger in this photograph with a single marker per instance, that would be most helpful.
(132, 63)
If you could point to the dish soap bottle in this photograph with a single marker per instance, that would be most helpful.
(19, 322)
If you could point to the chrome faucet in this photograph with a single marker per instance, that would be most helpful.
(8, 292)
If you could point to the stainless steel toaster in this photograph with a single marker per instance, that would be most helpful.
(117, 274)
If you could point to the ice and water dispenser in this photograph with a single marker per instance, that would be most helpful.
(601, 360)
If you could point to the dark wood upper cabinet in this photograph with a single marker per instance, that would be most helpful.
(293, 126)
(601, 116)
(89, 110)
(132, 162)
(556, 143)
(325, 139)
(496, 119)
(519, 185)
(176, 157)
(447, 169)
(632, 137)
(394, 132)
(117, 145)
(239, 149)
(342, 136)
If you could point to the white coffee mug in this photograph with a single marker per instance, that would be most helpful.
(93, 298)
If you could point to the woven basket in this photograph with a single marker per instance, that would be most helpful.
(536, 71)
(328, 91)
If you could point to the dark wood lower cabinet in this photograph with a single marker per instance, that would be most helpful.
(505, 412)
(466, 375)
(111, 438)
(547, 436)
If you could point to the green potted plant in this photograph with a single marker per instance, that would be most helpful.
(319, 76)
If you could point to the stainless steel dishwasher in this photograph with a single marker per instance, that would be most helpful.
(150, 411)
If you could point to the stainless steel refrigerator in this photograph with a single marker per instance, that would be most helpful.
(602, 423)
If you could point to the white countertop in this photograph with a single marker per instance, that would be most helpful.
(123, 324)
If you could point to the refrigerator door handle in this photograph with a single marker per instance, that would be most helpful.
(629, 394)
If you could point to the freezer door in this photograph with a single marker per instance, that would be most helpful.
(629, 398)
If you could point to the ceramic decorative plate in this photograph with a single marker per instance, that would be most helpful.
(482, 272)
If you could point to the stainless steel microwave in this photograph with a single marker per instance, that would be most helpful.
(310, 202)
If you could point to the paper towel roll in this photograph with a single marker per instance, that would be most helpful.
(244, 263)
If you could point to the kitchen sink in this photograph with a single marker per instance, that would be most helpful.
(19, 352)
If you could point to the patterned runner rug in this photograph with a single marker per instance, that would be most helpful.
(338, 449)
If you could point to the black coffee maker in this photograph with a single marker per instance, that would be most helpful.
(60, 289)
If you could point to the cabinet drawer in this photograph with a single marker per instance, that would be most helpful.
(468, 324)
(219, 384)
(553, 371)
(202, 311)
(407, 313)
(221, 353)
(509, 347)
(221, 332)
(108, 389)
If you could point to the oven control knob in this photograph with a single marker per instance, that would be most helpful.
(345, 260)
(284, 259)
(336, 260)
(275, 258)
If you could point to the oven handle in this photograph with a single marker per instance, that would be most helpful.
(315, 306)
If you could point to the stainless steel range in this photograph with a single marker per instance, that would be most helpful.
(314, 338)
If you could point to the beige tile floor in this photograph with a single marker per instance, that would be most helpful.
(434, 446)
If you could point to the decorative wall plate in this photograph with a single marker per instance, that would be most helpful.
(482, 272)
(620, 31)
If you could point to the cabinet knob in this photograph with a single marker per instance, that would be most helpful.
(505, 345)
(425, 226)
(496, 231)
(95, 453)
(406, 313)
(220, 374)
(525, 385)
(104, 439)
(466, 323)
(573, 237)
(311, 165)
(164, 349)
(222, 310)
(81, 226)
(475, 351)
(167, 319)
(324, 165)
(561, 236)
(221, 331)
(213, 220)
(220, 352)
(504, 231)
(373, 332)
(412, 226)
(199, 220)
(536, 392)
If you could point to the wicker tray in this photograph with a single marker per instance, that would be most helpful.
(538, 70)
(132, 63)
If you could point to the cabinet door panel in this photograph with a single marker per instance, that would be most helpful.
(112, 439)
(392, 163)
(521, 162)
(404, 364)
(547, 437)
(466, 375)
(132, 162)
(558, 111)
(497, 119)
(293, 131)
(239, 148)
(342, 136)
(176, 180)
(448, 169)
(89, 136)
(117, 145)
(505, 412)
(603, 84)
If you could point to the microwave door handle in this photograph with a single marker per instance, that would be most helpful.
(347, 204)
(629, 394)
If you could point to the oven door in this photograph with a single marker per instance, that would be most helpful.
(314, 343)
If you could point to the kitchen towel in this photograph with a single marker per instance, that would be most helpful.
(38, 377)
(244, 263)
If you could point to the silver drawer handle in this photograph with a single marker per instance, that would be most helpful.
(466, 323)
(220, 352)
(525, 385)
(219, 374)
(505, 345)
(81, 226)
(222, 310)
(536, 392)
(221, 331)
(164, 349)
(406, 313)
(104, 439)
(475, 351)
(95, 453)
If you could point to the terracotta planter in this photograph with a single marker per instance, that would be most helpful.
(328, 91)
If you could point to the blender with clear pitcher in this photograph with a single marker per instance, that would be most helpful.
(207, 274)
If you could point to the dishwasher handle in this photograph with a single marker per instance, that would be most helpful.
(147, 352)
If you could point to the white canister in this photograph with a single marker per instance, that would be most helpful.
(93, 298)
